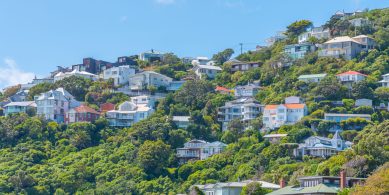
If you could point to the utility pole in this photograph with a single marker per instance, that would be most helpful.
(241, 48)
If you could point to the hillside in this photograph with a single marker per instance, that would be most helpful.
(44, 157)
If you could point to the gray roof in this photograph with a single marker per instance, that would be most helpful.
(181, 118)
(310, 76)
(23, 104)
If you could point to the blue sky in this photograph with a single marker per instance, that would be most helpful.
(39, 35)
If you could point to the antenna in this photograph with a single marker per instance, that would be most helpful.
(241, 48)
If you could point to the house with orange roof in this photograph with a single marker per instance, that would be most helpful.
(293, 110)
(222, 90)
(81, 113)
(350, 77)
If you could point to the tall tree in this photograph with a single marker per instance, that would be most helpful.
(298, 27)
(223, 56)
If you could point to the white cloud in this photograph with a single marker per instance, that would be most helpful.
(10, 74)
(165, 2)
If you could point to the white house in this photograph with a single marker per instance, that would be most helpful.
(199, 150)
(202, 61)
(120, 74)
(249, 90)
(128, 114)
(291, 112)
(311, 78)
(274, 138)
(182, 122)
(385, 81)
(322, 146)
(245, 109)
(77, 73)
(350, 77)
(142, 80)
(53, 105)
(209, 70)
(317, 32)
(16, 107)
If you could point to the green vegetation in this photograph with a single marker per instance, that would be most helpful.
(41, 157)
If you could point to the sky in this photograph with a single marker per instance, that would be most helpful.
(37, 36)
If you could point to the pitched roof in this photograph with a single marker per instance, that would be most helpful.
(271, 107)
(308, 76)
(288, 106)
(208, 67)
(85, 109)
(351, 73)
(275, 135)
(24, 104)
(294, 106)
(181, 118)
(321, 188)
(219, 88)
(342, 39)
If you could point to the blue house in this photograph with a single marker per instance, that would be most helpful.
(298, 51)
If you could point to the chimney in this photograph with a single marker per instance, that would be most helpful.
(282, 183)
(342, 179)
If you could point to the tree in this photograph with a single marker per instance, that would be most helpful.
(330, 88)
(82, 134)
(361, 90)
(39, 88)
(223, 56)
(298, 27)
(194, 93)
(153, 156)
(373, 141)
(254, 188)
(77, 86)
(377, 183)
(382, 93)
(170, 58)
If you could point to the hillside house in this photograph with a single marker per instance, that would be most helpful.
(274, 116)
(151, 56)
(346, 47)
(320, 185)
(143, 80)
(274, 138)
(336, 117)
(209, 70)
(317, 32)
(312, 78)
(249, 90)
(128, 114)
(244, 109)
(17, 107)
(298, 51)
(350, 77)
(81, 113)
(199, 150)
(231, 188)
(385, 81)
(120, 74)
(53, 105)
(76, 73)
(322, 146)
(181, 122)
